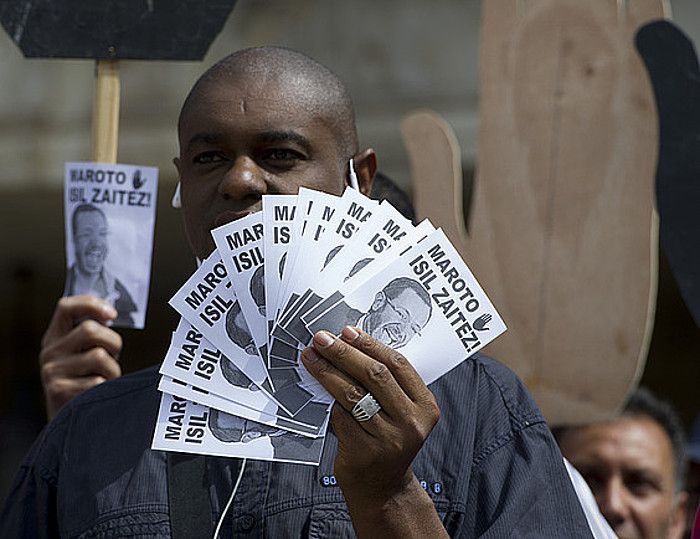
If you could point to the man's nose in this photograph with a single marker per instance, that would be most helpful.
(242, 180)
(612, 502)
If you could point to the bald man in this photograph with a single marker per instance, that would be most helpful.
(268, 121)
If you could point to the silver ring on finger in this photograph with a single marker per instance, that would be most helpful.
(366, 408)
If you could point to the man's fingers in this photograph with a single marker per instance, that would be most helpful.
(73, 308)
(95, 362)
(60, 390)
(342, 387)
(85, 336)
(401, 369)
(373, 375)
(344, 423)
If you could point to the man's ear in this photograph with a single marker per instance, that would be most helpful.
(365, 168)
(379, 301)
(176, 162)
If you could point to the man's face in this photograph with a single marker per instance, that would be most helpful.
(240, 139)
(629, 465)
(90, 239)
(395, 321)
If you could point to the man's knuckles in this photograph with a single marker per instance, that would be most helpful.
(431, 409)
(58, 390)
(353, 394)
(46, 355)
(377, 373)
(371, 346)
(381, 352)
(100, 358)
(317, 364)
(90, 330)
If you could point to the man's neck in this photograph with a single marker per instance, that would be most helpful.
(88, 282)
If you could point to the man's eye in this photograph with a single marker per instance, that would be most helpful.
(282, 154)
(206, 158)
(640, 485)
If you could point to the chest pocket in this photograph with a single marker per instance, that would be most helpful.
(330, 520)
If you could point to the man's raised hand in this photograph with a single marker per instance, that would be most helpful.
(373, 464)
(78, 351)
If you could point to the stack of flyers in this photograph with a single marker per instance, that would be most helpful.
(232, 380)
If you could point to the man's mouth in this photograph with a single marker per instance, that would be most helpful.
(94, 257)
(391, 335)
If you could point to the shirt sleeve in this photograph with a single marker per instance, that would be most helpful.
(520, 488)
(31, 506)
(30, 509)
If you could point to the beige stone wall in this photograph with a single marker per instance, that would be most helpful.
(395, 55)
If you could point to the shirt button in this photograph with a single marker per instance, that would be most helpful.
(246, 522)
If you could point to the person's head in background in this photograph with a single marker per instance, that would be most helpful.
(692, 479)
(635, 467)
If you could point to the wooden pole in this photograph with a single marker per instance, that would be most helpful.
(105, 112)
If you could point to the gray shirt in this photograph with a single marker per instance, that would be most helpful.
(490, 466)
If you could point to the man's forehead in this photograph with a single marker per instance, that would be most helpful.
(246, 94)
(636, 441)
(409, 297)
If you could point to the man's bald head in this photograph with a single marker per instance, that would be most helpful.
(264, 121)
(304, 81)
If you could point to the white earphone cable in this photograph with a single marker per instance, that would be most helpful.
(228, 504)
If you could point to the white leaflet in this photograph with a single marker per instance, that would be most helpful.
(240, 245)
(208, 302)
(184, 426)
(109, 218)
(278, 216)
(349, 216)
(386, 236)
(426, 301)
(308, 229)
(211, 378)
(212, 400)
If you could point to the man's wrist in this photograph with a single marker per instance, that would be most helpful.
(406, 511)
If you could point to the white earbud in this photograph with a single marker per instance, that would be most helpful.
(353, 177)
(176, 202)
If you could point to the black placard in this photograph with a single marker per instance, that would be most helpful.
(672, 64)
(115, 29)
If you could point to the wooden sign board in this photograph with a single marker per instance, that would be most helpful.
(108, 29)
(562, 231)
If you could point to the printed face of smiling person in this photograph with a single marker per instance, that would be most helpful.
(398, 312)
(90, 240)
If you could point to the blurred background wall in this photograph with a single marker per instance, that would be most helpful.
(394, 55)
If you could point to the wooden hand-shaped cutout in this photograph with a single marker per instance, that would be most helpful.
(562, 231)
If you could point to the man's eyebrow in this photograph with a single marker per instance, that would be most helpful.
(269, 137)
(204, 137)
